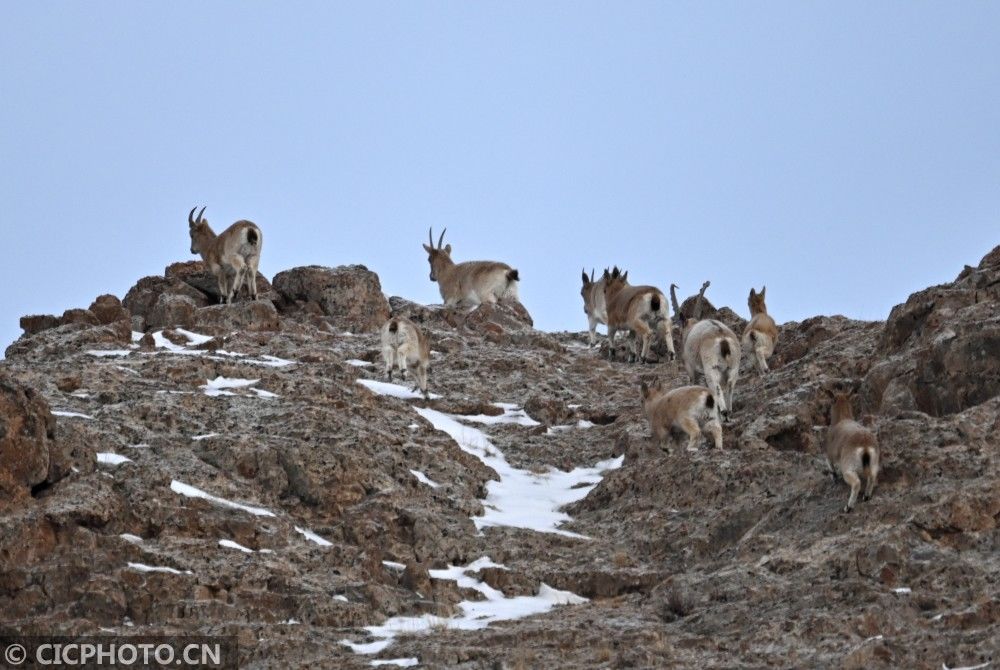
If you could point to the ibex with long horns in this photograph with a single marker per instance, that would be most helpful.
(472, 282)
(231, 256)
(711, 348)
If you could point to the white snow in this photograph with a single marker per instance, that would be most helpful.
(229, 544)
(269, 361)
(903, 589)
(194, 339)
(392, 565)
(399, 662)
(192, 492)
(341, 598)
(291, 622)
(394, 390)
(141, 567)
(199, 438)
(138, 446)
(582, 423)
(421, 477)
(107, 353)
(71, 414)
(967, 667)
(137, 336)
(108, 458)
(358, 363)
(521, 499)
(512, 414)
(129, 537)
(261, 393)
(313, 537)
(221, 385)
(473, 614)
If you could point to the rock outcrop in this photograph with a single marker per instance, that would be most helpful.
(350, 297)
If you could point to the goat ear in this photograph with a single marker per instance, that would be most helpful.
(427, 248)
(625, 276)
(753, 293)
(585, 279)
(447, 249)
(763, 291)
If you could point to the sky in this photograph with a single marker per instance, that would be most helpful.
(845, 154)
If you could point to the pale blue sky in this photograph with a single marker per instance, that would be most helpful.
(843, 153)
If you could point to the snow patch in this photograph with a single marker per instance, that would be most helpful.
(108, 353)
(521, 499)
(424, 479)
(78, 415)
(313, 537)
(142, 567)
(393, 565)
(221, 385)
(108, 458)
(192, 492)
(358, 363)
(393, 390)
(129, 537)
(399, 662)
(229, 544)
(199, 438)
(512, 414)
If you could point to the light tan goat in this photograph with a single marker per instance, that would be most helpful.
(688, 409)
(761, 334)
(471, 282)
(852, 450)
(639, 309)
(711, 348)
(231, 256)
(406, 348)
(594, 303)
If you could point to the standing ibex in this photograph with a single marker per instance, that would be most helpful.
(851, 449)
(594, 303)
(231, 256)
(761, 334)
(472, 282)
(711, 348)
(406, 348)
(638, 309)
(690, 409)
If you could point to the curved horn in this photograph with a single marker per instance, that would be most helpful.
(441, 239)
(191, 214)
(198, 220)
(430, 236)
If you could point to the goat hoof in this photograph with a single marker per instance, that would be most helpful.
(866, 497)
(847, 509)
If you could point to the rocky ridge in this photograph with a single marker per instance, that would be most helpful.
(174, 466)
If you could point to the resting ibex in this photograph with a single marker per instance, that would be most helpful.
(593, 302)
(232, 256)
(711, 348)
(472, 282)
(761, 334)
(406, 348)
(690, 409)
(851, 449)
(638, 309)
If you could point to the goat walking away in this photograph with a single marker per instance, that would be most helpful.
(638, 309)
(406, 348)
(471, 282)
(688, 409)
(852, 450)
(232, 256)
(761, 333)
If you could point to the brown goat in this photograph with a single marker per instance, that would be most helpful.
(231, 256)
(471, 282)
(761, 333)
(638, 309)
(688, 409)
(852, 450)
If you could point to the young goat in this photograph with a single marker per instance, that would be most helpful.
(711, 348)
(852, 450)
(594, 303)
(761, 334)
(231, 256)
(406, 348)
(638, 309)
(472, 282)
(688, 409)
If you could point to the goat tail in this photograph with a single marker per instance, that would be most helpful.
(393, 326)
(512, 276)
(252, 237)
(866, 459)
(709, 401)
(724, 349)
(654, 303)
(753, 336)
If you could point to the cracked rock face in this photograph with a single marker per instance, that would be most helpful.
(247, 470)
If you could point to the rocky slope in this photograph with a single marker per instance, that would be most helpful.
(269, 495)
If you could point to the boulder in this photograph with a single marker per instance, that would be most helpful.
(28, 452)
(349, 296)
(197, 276)
(172, 310)
(108, 309)
(141, 299)
(36, 323)
(253, 315)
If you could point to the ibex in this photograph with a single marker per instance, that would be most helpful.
(638, 309)
(688, 409)
(406, 348)
(594, 303)
(711, 348)
(472, 282)
(232, 256)
(851, 449)
(761, 334)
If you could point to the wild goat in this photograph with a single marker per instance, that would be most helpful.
(852, 450)
(638, 309)
(594, 303)
(688, 409)
(711, 348)
(231, 256)
(472, 282)
(406, 348)
(761, 334)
